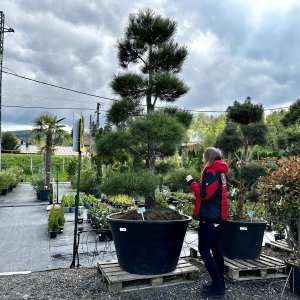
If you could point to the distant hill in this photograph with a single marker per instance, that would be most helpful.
(22, 134)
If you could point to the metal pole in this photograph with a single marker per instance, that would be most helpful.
(76, 211)
(1, 60)
(90, 137)
(2, 31)
(57, 186)
(98, 113)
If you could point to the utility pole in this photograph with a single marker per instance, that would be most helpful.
(90, 137)
(2, 31)
(98, 113)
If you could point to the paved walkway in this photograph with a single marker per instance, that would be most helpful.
(24, 242)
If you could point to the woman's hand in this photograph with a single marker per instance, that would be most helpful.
(188, 178)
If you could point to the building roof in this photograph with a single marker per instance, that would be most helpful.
(58, 150)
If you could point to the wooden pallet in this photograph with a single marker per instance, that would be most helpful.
(280, 244)
(120, 280)
(265, 267)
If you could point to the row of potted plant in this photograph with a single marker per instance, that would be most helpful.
(9, 179)
(174, 197)
(97, 216)
(68, 203)
(56, 220)
(121, 201)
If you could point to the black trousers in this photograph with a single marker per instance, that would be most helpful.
(209, 241)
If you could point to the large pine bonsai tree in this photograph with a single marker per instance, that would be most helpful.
(140, 129)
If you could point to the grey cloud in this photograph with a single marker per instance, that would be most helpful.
(235, 51)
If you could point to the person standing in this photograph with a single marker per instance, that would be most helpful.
(211, 208)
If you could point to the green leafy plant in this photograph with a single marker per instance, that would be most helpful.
(53, 224)
(88, 179)
(65, 202)
(4, 180)
(280, 194)
(37, 182)
(60, 216)
(99, 213)
(131, 184)
(161, 200)
(175, 179)
(89, 199)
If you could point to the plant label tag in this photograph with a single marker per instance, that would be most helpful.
(141, 210)
(123, 229)
(250, 213)
(243, 228)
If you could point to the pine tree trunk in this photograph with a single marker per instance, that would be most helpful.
(48, 160)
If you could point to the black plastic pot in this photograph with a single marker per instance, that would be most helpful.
(148, 247)
(294, 275)
(242, 240)
(4, 192)
(44, 194)
(53, 234)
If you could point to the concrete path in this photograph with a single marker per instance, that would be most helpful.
(24, 242)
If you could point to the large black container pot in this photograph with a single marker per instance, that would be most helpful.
(4, 192)
(148, 247)
(242, 240)
(294, 275)
(44, 195)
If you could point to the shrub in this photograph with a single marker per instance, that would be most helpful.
(175, 179)
(60, 216)
(53, 219)
(280, 194)
(131, 184)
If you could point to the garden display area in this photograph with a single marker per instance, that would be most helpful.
(86, 281)
(121, 227)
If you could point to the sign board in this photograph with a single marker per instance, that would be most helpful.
(81, 134)
(78, 132)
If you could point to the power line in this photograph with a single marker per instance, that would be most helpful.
(44, 107)
(60, 87)
(115, 100)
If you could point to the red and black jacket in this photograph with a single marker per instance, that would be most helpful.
(211, 193)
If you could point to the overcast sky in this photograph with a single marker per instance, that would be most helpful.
(237, 48)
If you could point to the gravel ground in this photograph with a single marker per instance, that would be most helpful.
(85, 283)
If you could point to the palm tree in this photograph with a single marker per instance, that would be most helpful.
(46, 126)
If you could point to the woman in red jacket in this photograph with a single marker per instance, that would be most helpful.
(211, 208)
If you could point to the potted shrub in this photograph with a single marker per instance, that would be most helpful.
(60, 218)
(53, 225)
(152, 245)
(242, 234)
(280, 194)
(89, 200)
(37, 182)
(88, 181)
(65, 202)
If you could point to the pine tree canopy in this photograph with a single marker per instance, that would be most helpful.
(245, 113)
